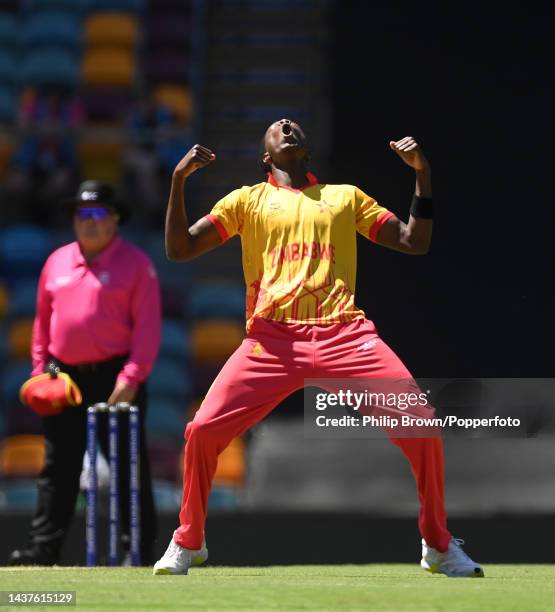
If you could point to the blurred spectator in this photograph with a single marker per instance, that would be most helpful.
(155, 147)
(44, 167)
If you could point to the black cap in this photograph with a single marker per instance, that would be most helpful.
(97, 193)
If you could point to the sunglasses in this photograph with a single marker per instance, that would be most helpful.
(97, 213)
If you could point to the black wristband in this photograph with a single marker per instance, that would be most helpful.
(421, 207)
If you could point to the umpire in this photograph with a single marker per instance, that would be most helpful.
(98, 319)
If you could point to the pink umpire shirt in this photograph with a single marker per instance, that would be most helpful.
(93, 312)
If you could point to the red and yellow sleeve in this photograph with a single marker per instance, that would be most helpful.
(227, 214)
(370, 216)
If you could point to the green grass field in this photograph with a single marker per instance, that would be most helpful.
(341, 587)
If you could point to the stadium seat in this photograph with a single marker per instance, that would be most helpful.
(61, 237)
(167, 495)
(111, 30)
(8, 114)
(23, 251)
(19, 495)
(107, 171)
(170, 379)
(21, 456)
(255, 77)
(217, 300)
(45, 28)
(108, 68)
(170, 150)
(214, 341)
(135, 234)
(165, 418)
(177, 98)
(23, 298)
(21, 419)
(163, 6)
(4, 300)
(3, 348)
(170, 273)
(224, 498)
(164, 453)
(175, 342)
(35, 6)
(203, 376)
(50, 66)
(173, 303)
(106, 103)
(19, 340)
(9, 30)
(2, 427)
(101, 161)
(168, 30)
(12, 377)
(100, 150)
(8, 68)
(231, 468)
(167, 66)
(193, 407)
(116, 5)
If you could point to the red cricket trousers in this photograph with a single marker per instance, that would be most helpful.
(272, 362)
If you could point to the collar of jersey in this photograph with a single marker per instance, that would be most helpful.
(312, 180)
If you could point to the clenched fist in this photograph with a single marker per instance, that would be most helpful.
(196, 158)
(408, 150)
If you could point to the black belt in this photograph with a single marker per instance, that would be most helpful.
(88, 367)
(91, 367)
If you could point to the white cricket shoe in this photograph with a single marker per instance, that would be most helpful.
(200, 556)
(454, 562)
(176, 560)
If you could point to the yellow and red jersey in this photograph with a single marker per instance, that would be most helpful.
(299, 248)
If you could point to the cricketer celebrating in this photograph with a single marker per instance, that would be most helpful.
(299, 259)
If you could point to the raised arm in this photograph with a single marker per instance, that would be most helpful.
(415, 236)
(183, 242)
